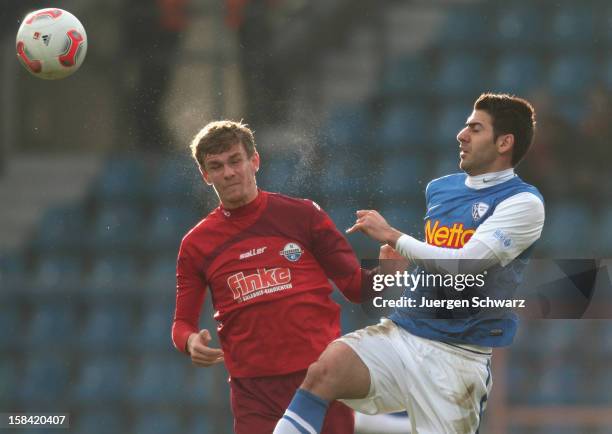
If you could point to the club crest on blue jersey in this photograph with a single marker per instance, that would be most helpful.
(478, 210)
(292, 252)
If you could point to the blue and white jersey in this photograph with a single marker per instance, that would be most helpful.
(458, 210)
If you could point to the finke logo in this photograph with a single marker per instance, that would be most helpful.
(292, 252)
(478, 210)
(253, 252)
(264, 281)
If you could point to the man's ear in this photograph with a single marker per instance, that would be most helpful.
(505, 143)
(204, 174)
(255, 161)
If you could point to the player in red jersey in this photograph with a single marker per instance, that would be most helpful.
(267, 260)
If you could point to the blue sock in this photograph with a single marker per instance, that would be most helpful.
(305, 414)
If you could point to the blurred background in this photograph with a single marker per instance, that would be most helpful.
(355, 104)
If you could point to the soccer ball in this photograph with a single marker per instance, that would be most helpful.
(51, 43)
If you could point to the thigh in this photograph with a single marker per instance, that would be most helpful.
(375, 346)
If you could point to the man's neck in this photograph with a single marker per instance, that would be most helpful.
(489, 179)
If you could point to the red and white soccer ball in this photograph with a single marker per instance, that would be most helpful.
(51, 43)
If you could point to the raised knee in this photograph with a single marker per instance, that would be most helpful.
(317, 375)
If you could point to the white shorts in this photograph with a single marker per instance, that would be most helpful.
(443, 387)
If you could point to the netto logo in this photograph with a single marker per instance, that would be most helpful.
(292, 252)
(455, 236)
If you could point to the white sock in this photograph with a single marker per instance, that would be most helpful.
(381, 424)
(284, 426)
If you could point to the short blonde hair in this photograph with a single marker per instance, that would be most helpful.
(218, 136)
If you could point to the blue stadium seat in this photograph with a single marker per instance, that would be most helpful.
(518, 73)
(203, 424)
(449, 121)
(10, 380)
(464, 25)
(571, 75)
(607, 70)
(447, 163)
(117, 227)
(158, 423)
(153, 331)
(159, 381)
(404, 126)
(347, 125)
(572, 26)
(560, 337)
(176, 180)
(12, 271)
(96, 421)
(407, 218)
(342, 215)
(404, 176)
(52, 325)
(160, 276)
(604, 385)
(567, 243)
(169, 225)
(461, 75)
(11, 324)
(519, 24)
(106, 328)
(57, 273)
(559, 383)
(101, 380)
(278, 172)
(45, 379)
(122, 179)
(202, 388)
(406, 75)
(342, 177)
(60, 228)
(113, 273)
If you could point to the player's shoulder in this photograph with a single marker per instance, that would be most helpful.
(203, 226)
(445, 182)
(528, 191)
(299, 203)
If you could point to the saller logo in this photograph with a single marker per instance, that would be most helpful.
(262, 282)
(455, 236)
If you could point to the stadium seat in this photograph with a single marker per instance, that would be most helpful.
(45, 379)
(603, 385)
(572, 26)
(101, 380)
(407, 218)
(106, 328)
(572, 242)
(342, 178)
(12, 271)
(560, 337)
(278, 173)
(464, 25)
(404, 176)
(201, 387)
(447, 163)
(98, 421)
(519, 24)
(60, 229)
(52, 325)
(117, 228)
(168, 226)
(203, 424)
(406, 76)
(448, 122)
(571, 75)
(152, 333)
(176, 179)
(122, 179)
(57, 273)
(607, 70)
(404, 126)
(9, 378)
(559, 383)
(159, 381)
(113, 273)
(160, 275)
(517, 73)
(461, 75)
(163, 422)
(11, 324)
(346, 125)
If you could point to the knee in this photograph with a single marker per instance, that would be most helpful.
(318, 377)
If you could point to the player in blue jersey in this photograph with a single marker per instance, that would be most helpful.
(435, 363)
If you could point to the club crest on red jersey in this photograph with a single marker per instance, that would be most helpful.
(292, 252)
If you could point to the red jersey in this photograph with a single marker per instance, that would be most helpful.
(268, 266)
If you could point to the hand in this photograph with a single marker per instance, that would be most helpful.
(375, 226)
(201, 354)
(391, 261)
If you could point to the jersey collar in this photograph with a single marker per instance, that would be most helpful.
(489, 179)
(245, 210)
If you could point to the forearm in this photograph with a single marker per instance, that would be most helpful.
(474, 257)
